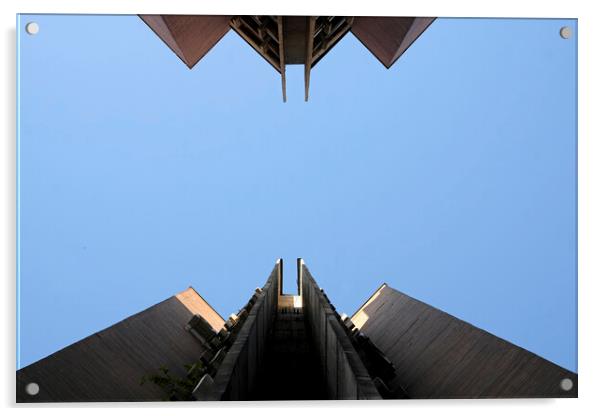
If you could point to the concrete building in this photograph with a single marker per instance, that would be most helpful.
(288, 40)
(291, 347)
(110, 365)
(440, 356)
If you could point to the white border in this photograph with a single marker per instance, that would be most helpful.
(590, 201)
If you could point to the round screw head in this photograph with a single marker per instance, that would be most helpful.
(32, 389)
(32, 28)
(565, 32)
(566, 384)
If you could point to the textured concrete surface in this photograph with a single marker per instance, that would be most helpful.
(109, 365)
(439, 356)
(237, 375)
(345, 375)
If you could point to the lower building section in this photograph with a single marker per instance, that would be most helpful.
(291, 347)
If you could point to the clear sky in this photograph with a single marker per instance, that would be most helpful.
(451, 176)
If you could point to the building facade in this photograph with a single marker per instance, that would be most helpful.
(291, 347)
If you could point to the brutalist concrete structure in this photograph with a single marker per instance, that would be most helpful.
(291, 347)
(288, 40)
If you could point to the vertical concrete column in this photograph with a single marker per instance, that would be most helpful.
(236, 376)
(345, 375)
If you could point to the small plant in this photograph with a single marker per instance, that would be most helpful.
(177, 388)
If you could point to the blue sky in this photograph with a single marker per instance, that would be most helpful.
(451, 176)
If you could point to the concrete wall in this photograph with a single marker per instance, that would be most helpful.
(439, 356)
(237, 374)
(345, 374)
(109, 365)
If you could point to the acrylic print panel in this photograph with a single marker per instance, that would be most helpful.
(209, 208)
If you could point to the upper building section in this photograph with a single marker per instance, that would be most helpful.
(288, 40)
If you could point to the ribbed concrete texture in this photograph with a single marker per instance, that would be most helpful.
(110, 365)
(439, 356)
